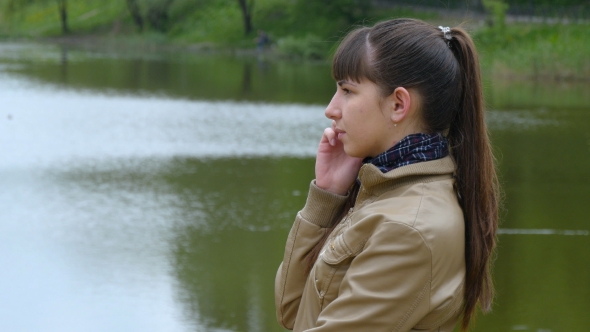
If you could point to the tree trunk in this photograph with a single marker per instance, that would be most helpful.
(133, 7)
(246, 7)
(157, 15)
(63, 14)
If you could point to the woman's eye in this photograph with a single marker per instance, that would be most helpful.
(346, 91)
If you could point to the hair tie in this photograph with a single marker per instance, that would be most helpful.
(447, 34)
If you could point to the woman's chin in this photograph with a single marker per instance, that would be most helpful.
(352, 153)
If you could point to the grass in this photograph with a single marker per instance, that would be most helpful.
(533, 51)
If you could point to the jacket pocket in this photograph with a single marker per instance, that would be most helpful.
(330, 268)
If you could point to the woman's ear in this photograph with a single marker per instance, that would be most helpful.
(399, 102)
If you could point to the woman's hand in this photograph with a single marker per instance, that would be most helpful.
(335, 171)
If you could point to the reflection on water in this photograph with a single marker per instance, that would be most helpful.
(198, 220)
(127, 208)
(174, 74)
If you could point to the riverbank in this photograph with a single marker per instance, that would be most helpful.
(530, 51)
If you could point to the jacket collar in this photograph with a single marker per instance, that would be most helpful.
(375, 183)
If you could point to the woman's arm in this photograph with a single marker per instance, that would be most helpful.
(335, 172)
(309, 227)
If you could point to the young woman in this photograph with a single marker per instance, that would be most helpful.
(400, 222)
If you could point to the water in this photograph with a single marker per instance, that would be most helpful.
(153, 191)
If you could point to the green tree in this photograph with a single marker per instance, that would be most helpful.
(133, 7)
(63, 15)
(13, 6)
(346, 11)
(497, 12)
(156, 14)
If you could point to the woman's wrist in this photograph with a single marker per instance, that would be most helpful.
(330, 187)
(321, 206)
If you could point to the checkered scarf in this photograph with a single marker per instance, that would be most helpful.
(411, 149)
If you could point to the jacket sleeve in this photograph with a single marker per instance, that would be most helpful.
(387, 286)
(309, 227)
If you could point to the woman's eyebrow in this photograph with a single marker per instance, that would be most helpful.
(345, 82)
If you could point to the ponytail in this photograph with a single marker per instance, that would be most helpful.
(476, 180)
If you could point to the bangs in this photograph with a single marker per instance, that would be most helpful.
(350, 60)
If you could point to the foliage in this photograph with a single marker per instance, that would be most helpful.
(33, 18)
(497, 11)
(345, 12)
(157, 14)
(217, 22)
(299, 24)
(550, 2)
(536, 51)
(12, 7)
(308, 47)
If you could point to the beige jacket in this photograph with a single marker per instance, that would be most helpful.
(394, 263)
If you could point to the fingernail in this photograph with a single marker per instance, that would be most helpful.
(332, 142)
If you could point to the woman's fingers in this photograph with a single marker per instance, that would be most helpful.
(329, 136)
(335, 170)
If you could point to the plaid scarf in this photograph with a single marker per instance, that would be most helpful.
(411, 149)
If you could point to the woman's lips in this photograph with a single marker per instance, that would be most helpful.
(339, 133)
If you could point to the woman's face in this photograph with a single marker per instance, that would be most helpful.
(359, 121)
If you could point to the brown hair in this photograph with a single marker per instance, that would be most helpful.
(413, 54)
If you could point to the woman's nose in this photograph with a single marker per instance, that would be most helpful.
(333, 110)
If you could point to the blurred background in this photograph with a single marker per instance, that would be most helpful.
(154, 154)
